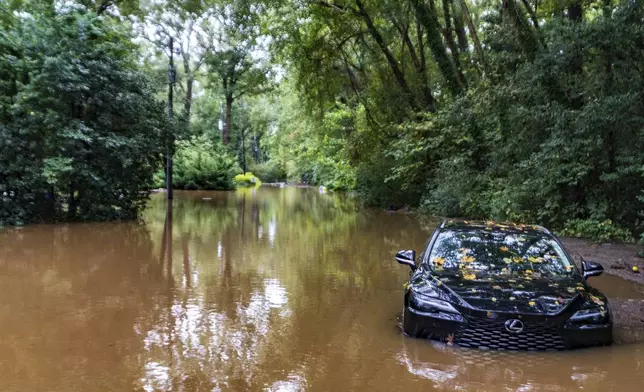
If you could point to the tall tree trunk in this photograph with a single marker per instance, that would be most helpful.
(527, 36)
(427, 16)
(228, 121)
(187, 105)
(243, 151)
(449, 39)
(391, 60)
(532, 13)
(420, 64)
(459, 27)
(430, 103)
(475, 39)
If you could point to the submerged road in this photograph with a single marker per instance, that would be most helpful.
(268, 289)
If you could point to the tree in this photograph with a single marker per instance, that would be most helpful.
(80, 126)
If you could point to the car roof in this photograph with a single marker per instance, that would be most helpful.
(489, 225)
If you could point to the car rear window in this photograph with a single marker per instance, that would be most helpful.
(476, 252)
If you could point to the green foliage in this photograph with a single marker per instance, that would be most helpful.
(79, 128)
(269, 172)
(200, 164)
(247, 179)
(601, 231)
(309, 150)
(536, 116)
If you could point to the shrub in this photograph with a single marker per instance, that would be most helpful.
(246, 180)
(601, 231)
(269, 172)
(200, 164)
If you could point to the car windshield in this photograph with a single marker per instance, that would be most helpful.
(476, 252)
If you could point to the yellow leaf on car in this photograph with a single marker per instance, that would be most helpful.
(467, 259)
(439, 260)
(469, 277)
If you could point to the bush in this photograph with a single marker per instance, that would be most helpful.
(200, 164)
(79, 123)
(601, 231)
(269, 171)
(246, 180)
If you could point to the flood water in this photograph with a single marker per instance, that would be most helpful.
(269, 289)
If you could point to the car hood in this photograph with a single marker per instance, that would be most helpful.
(535, 296)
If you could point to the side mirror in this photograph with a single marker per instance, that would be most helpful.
(590, 268)
(407, 257)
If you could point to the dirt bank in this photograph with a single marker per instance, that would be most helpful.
(618, 260)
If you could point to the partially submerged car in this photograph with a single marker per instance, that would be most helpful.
(502, 287)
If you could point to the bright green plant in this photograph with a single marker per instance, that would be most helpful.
(246, 180)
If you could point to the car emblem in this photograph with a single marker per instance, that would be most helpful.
(514, 325)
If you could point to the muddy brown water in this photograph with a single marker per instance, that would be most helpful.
(270, 289)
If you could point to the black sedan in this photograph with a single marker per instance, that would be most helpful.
(502, 287)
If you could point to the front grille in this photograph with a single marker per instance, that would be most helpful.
(492, 335)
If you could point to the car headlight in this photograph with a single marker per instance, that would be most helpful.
(590, 316)
(427, 304)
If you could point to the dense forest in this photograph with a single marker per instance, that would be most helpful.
(522, 110)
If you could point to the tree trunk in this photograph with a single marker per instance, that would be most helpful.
(228, 119)
(187, 105)
(391, 60)
(475, 39)
(526, 35)
(532, 13)
(427, 16)
(575, 11)
(461, 35)
(243, 151)
(451, 44)
(430, 103)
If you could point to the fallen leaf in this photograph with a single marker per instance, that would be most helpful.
(532, 303)
(467, 259)
(512, 298)
(517, 259)
(496, 287)
(507, 260)
(493, 299)
(469, 277)
(504, 249)
(439, 260)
